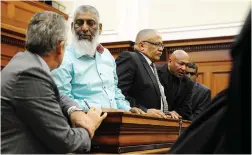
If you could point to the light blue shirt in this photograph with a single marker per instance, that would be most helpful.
(93, 79)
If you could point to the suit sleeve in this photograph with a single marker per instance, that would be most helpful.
(125, 72)
(39, 107)
(67, 103)
(121, 102)
(203, 102)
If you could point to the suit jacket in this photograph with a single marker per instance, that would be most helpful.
(225, 126)
(137, 81)
(34, 115)
(201, 98)
(178, 92)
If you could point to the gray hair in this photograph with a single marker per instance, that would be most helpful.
(145, 34)
(86, 8)
(44, 32)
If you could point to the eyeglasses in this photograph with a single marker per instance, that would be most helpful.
(155, 44)
(190, 73)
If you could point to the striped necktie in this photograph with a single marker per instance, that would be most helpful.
(163, 97)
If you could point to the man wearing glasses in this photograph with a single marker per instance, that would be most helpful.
(138, 77)
(178, 87)
(201, 95)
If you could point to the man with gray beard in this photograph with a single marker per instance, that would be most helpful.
(88, 71)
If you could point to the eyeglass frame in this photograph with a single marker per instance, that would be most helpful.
(155, 44)
(191, 73)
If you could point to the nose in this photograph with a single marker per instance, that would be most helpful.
(84, 27)
(161, 48)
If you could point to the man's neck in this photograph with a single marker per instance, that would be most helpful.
(51, 63)
(173, 73)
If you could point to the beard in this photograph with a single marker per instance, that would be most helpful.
(85, 46)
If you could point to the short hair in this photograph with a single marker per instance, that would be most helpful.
(194, 66)
(144, 34)
(44, 32)
(87, 8)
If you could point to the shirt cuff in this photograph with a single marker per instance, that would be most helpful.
(124, 107)
(72, 109)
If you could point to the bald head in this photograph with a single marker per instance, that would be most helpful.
(145, 34)
(179, 55)
(149, 42)
(178, 62)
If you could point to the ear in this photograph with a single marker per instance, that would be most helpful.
(141, 46)
(60, 47)
(100, 28)
(169, 60)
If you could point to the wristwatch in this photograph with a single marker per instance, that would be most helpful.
(72, 109)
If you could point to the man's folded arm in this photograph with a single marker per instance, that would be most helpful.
(62, 77)
(39, 107)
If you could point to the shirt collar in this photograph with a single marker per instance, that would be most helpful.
(99, 49)
(147, 59)
(44, 64)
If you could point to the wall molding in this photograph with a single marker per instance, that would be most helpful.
(189, 45)
(12, 41)
(200, 27)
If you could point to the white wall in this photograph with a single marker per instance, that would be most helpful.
(174, 19)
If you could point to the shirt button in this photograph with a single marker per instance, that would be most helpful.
(103, 87)
(110, 99)
(100, 73)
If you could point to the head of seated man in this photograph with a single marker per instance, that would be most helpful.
(149, 42)
(178, 62)
(86, 29)
(192, 71)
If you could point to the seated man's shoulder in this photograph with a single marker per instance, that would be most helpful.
(189, 81)
(127, 55)
(202, 86)
(162, 67)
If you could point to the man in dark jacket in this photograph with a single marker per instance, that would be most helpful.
(201, 94)
(178, 87)
(136, 73)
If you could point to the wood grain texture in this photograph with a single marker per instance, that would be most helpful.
(154, 151)
(123, 129)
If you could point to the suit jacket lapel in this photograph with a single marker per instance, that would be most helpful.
(150, 72)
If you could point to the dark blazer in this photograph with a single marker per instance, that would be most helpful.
(137, 81)
(34, 116)
(201, 98)
(178, 92)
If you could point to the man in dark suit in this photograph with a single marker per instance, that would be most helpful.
(225, 126)
(35, 118)
(136, 75)
(201, 94)
(178, 87)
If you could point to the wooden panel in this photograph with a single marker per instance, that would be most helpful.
(215, 75)
(219, 81)
(7, 52)
(123, 129)
(15, 16)
(210, 56)
(154, 151)
(200, 78)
